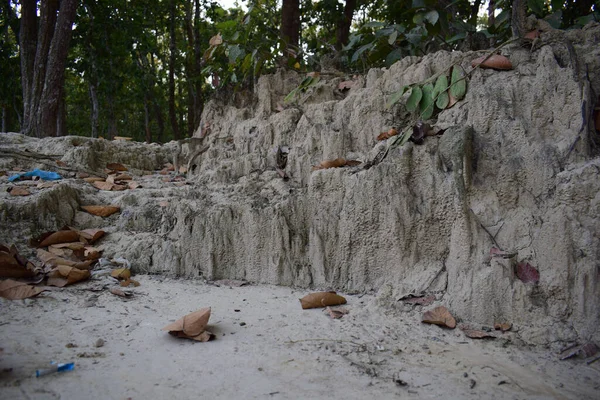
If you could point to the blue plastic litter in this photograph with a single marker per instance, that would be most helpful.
(55, 368)
(45, 175)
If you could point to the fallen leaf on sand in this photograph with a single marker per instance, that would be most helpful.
(101, 211)
(14, 290)
(192, 326)
(60, 237)
(439, 316)
(119, 292)
(93, 179)
(502, 326)
(338, 162)
(11, 268)
(123, 177)
(55, 261)
(121, 273)
(18, 191)
(336, 313)
(321, 299)
(527, 273)
(119, 187)
(90, 235)
(386, 135)
(418, 300)
(45, 185)
(129, 282)
(71, 246)
(133, 185)
(116, 167)
(64, 275)
(478, 334)
(103, 185)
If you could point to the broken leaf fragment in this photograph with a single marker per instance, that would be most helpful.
(116, 167)
(103, 185)
(321, 299)
(527, 273)
(388, 134)
(336, 313)
(418, 299)
(14, 290)
(192, 326)
(64, 275)
(101, 211)
(477, 333)
(19, 191)
(502, 326)
(90, 235)
(119, 292)
(439, 316)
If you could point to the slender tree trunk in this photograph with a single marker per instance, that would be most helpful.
(172, 60)
(343, 29)
(112, 119)
(290, 27)
(518, 17)
(159, 120)
(61, 120)
(198, 95)
(4, 119)
(94, 112)
(492, 13)
(147, 120)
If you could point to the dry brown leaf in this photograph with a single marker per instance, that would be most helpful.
(502, 326)
(110, 178)
(55, 261)
(101, 211)
(91, 253)
(321, 299)
(352, 163)
(338, 162)
(439, 316)
(129, 282)
(123, 177)
(183, 169)
(452, 100)
(116, 167)
(82, 175)
(163, 203)
(11, 268)
(192, 326)
(60, 237)
(46, 185)
(386, 135)
(61, 252)
(336, 313)
(478, 334)
(344, 85)
(103, 185)
(19, 191)
(90, 235)
(133, 185)
(64, 275)
(121, 273)
(14, 290)
(71, 246)
(496, 61)
(93, 179)
(120, 187)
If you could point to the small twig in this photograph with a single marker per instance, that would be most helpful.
(324, 340)
(486, 231)
(593, 360)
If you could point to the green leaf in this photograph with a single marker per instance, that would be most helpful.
(394, 56)
(418, 18)
(414, 98)
(432, 17)
(458, 86)
(443, 99)
(426, 105)
(440, 91)
(235, 52)
(537, 6)
(291, 95)
(361, 50)
(374, 24)
(353, 40)
(392, 38)
(557, 4)
(395, 97)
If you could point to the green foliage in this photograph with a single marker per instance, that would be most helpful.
(307, 82)
(440, 92)
(458, 86)
(416, 94)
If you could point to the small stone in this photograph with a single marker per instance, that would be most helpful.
(70, 345)
(99, 343)
(242, 323)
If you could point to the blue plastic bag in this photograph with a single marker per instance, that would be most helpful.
(45, 175)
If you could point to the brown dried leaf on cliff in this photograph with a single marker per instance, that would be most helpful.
(477, 333)
(90, 235)
(103, 185)
(14, 290)
(527, 273)
(495, 61)
(388, 134)
(64, 275)
(439, 316)
(418, 299)
(64, 236)
(336, 313)
(116, 167)
(18, 191)
(337, 163)
(321, 299)
(101, 211)
(502, 326)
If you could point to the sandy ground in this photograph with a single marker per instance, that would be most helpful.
(268, 349)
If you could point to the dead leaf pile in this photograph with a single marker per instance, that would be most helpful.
(116, 179)
(337, 163)
(13, 265)
(439, 316)
(321, 299)
(192, 326)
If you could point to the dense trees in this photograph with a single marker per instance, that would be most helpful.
(145, 68)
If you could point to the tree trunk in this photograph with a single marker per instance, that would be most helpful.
(61, 120)
(518, 17)
(290, 27)
(172, 60)
(147, 120)
(159, 120)
(94, 112)
(4, 119)
(343, 28)
(491, 13)
(28, 43)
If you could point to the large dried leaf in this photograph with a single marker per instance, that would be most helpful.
(14, 290)
(93, 179)
(439, 316)
(103, 185)
(191, 326)
(321, 299)
(11, 268)
(338, 162)
(527, 273)
(19, 191)
(116, 167)
(123, 177)
(64, 275)
(60, 237)
(90, 235)
(121, 273)
(101, 211)
(495, 61)
(55, 261)
(478, 334)
(71, 246)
